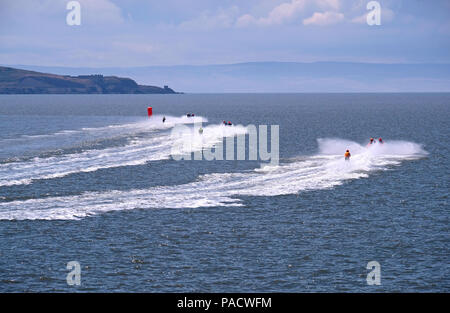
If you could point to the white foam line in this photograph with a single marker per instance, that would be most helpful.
(143, 125)
(88, 161)
(138, 152)
(222, 189)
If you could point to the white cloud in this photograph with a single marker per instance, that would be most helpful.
(362, 19)
(289, 11)
(224, 18)
(280, 14)
(328, 4)
(322, 19)
(246, 20)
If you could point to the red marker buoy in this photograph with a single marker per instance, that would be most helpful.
(149, 111)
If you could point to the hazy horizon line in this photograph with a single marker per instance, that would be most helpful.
(228, 64)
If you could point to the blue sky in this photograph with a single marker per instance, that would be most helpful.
(123, 33)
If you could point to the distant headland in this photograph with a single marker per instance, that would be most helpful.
(17, 81)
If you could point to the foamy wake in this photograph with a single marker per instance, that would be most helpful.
(323, 170)
(139, 150)
(142, 125)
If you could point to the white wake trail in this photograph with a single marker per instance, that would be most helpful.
(137, 151)
(321, 171)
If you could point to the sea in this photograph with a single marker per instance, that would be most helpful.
(93, 188)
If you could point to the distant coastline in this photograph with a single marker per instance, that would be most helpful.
(279, 77)
(18, 81)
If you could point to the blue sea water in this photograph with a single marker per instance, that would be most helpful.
(89, 178)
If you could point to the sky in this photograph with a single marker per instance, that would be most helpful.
(127, 33)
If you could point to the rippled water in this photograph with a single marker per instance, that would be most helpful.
(91, 179)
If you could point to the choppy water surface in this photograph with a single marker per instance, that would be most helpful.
(92, 179)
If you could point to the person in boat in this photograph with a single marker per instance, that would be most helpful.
(229, 123)
(347, 155)
(380, 140)
(164, 119)
(188, 115)
(224, 123)
(200, 131)
(372, 141)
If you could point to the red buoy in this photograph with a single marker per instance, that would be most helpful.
(149, 111)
